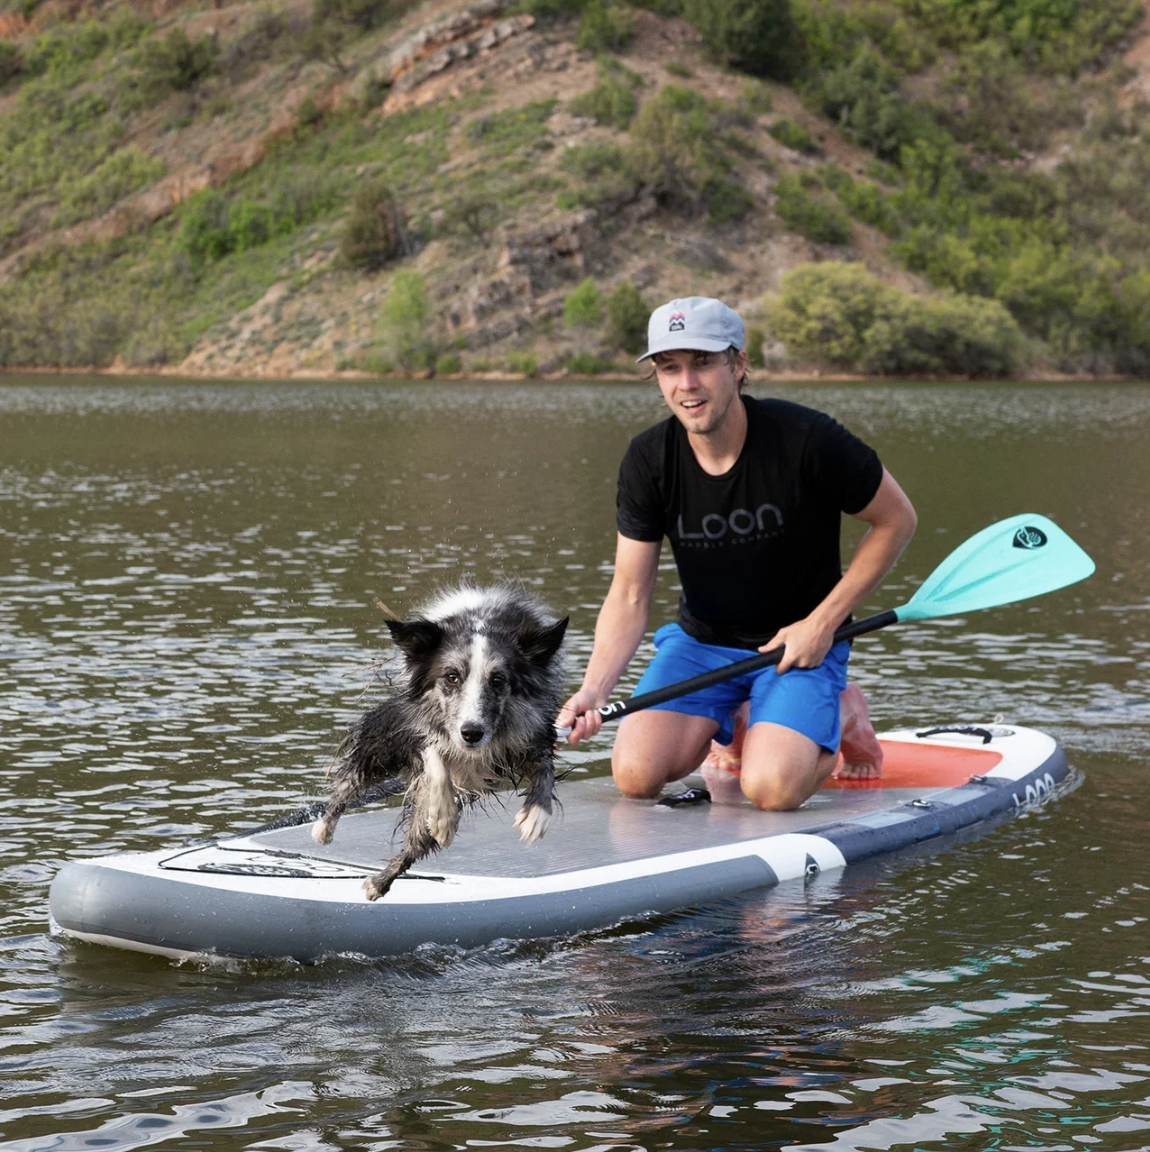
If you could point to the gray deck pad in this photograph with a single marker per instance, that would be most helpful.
(594, 826)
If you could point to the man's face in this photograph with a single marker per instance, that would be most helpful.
(699, 386)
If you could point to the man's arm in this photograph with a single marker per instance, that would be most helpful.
(892, 523)
(618, 631)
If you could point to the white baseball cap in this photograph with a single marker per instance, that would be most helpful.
(700, 323)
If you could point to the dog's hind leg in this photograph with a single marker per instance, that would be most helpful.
(345, 791)
(533, 818)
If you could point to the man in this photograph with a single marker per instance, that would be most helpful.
(750, 494)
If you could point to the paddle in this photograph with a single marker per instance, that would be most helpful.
(1012, 560)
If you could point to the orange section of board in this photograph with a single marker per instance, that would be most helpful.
(907, 765)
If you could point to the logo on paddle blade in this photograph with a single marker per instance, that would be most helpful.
(1029, 538)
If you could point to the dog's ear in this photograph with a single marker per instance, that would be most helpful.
(417, 638)
(540, 646)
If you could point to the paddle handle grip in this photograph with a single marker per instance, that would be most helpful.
(617, 709)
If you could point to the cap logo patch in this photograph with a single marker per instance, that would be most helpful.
(678, 322)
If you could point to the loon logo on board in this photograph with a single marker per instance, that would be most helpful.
(677, 322)
(1028, 537)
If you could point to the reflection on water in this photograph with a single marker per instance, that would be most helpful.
(187, 576)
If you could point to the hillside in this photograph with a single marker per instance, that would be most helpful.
(312, 186)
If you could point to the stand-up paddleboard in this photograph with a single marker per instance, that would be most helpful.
(605, 858)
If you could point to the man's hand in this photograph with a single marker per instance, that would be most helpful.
(807, 644)
(582, 707)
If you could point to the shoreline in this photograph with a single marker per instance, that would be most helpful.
(757, 376)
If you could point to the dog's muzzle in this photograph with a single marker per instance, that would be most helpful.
(472, 734)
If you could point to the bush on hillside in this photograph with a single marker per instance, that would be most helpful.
(9, 62)
(862, 96)
(679, 148)
(363, 15)
(863, 199)
(473, 215)
(809, 214)
(373, 234)
(990, 102)
(175, 63)
(843, 315)
(627, 316)
(759, 36)
(583, 306)
(612, 100)
(605, 27)
(600, 174)
(793, 135)
(405, 321)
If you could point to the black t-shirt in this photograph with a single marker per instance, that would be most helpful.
(758, 547)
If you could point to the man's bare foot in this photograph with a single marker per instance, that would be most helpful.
(729, 757)
(861, 751)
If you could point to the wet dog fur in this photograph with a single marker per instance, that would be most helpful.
(475, 709)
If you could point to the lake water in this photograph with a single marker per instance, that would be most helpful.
(187, 575)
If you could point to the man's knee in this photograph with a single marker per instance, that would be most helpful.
(775, 789)
(782, 768)
(636, 779)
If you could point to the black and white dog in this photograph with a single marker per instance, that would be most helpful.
(476, 705)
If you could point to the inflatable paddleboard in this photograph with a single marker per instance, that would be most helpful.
(605, 858)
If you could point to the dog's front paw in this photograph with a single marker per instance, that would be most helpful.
(376, 886)
(323, 830)
(532, 822)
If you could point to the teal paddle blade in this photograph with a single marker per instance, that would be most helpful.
(1014, 559)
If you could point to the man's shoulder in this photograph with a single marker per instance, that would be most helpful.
(785, 414)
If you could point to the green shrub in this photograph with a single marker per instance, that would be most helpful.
(863, 97)
(627, 316)
(991, 102)
(727, 200)
(362, 15)
(122, 173)
(844, 315)
(525, 362)
(600, 173)
(214, 226)
(791, 134)
(325, 42)
(448, 363)
(9, 62)
(175, 63)
(612, 100)
(474, 215)
(605, 27)
(679, 148)
(583, 306)
(205, 230)
(758, 36)
(405, 321)
(373, 234)
(862, 199)
(809, 215)
(588, 364)
(756, 337)
(678, 69)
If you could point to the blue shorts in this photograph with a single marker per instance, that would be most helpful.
(803, 699)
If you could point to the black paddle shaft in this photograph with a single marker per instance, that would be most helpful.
(617, 709)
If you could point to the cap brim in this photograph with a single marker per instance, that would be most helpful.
(675, 343)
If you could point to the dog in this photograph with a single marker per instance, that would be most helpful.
(475, 708)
